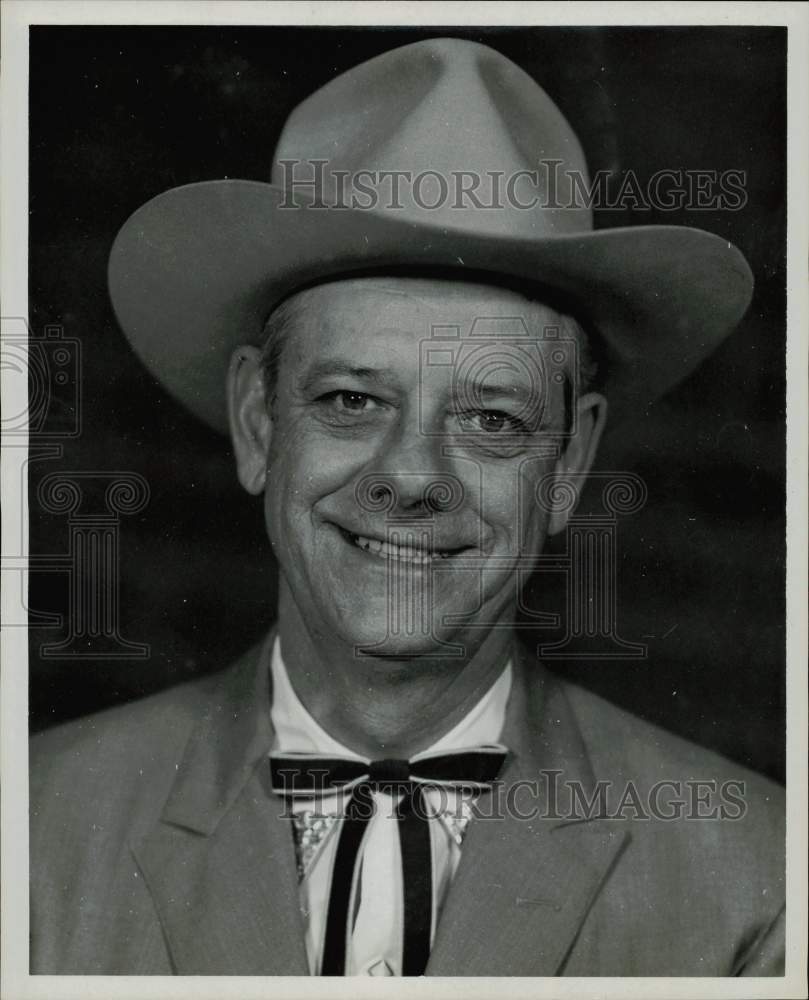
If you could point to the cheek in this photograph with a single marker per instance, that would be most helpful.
(304, 467)
(509, 505)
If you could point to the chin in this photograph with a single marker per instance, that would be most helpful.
(376, 635)
(366, 620)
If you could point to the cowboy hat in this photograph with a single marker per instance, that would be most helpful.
(462, 131)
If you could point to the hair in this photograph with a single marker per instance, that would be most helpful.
(584, 377)
(284, 316)
(274, 336)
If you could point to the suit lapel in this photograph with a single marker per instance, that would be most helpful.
(524, 886)
(220, 864)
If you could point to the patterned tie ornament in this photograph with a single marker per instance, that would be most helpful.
(296, 775)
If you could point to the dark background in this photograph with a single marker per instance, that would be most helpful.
(118, 115)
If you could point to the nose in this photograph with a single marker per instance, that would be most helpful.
(410, 477)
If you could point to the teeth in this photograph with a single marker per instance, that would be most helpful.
(390, 550)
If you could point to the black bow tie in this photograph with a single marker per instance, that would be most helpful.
(307, 775)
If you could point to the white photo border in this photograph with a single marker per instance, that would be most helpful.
(17, 16)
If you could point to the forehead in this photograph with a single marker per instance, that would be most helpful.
(362, 312)
(396, 289)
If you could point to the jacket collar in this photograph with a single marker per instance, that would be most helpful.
(221, 863)
(227, 745)
(529, 872)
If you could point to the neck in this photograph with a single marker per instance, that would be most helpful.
(385, 707)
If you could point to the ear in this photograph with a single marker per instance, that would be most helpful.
(575, 462)
(250, 421)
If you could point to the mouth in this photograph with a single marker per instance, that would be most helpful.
(404, 546)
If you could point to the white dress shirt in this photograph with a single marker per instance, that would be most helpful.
(377, 897)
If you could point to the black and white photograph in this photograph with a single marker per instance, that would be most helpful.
(395, 513)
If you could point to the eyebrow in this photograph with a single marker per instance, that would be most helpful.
(524, 395)
(387, 376)
(486, 390)
(329, 368)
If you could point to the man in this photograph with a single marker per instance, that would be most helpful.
(414, 378)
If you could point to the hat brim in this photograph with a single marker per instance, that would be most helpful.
(196, 271)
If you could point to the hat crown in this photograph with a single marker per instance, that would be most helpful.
(447, 130)
(197, 270)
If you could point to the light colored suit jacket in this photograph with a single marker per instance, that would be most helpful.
(158, 848)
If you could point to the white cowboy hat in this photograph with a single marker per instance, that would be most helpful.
(197, 270)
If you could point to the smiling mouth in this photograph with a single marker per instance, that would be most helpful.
(408, 551)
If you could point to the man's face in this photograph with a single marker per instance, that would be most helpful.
(402, 467)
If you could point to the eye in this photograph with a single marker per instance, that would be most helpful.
(491, 422)
(347, 405)
(353, 402)
(347, 401)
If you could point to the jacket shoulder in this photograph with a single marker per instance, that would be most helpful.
(167, 713)
(623, 744)
(716, 813)
(705, 836)
(115, 763)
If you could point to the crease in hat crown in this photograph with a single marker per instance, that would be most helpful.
(440, 108)
(196, 271)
